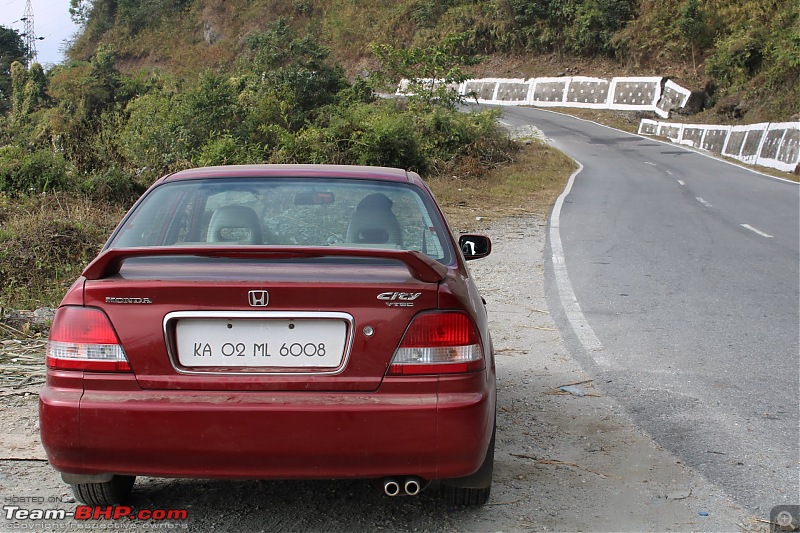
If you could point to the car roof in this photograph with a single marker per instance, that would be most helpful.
(295, 171)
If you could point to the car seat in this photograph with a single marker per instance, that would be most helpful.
(236, 224)
(374, 222)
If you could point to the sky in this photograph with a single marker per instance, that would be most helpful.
(51, 20)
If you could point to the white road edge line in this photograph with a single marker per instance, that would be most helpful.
(681, 182)
(566, 293)
(651, 164)
(754, 230)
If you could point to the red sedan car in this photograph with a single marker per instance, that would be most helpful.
(275, 322)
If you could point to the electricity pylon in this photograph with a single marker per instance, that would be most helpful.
(30, 34)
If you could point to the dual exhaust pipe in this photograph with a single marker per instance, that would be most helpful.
(407, 486)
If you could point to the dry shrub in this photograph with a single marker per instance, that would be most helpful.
(527, 186)
(45, 241)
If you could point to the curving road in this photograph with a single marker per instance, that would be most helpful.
(675, 280)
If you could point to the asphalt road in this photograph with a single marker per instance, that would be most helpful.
(684, 271)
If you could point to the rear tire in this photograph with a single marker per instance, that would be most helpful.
(463, 497)
(111, 492)
(473, 490)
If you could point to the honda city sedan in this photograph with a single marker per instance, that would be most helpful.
(275, 322)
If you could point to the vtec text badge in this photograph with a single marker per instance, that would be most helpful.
(258, 298)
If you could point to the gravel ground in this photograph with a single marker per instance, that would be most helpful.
(565, 460)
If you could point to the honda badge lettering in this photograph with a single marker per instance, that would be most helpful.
(119, 300)
(258, 298)
(399, 299)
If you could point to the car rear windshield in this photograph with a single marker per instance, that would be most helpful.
(286, 212)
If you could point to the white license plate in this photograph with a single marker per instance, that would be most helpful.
(278, 343)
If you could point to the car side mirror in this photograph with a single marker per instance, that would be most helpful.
(474, 246)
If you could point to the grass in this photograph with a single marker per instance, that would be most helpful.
(527, 186)
(45, 241)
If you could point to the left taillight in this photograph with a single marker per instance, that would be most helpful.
(439, 343)
(82, 338)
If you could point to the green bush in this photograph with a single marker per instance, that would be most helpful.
(312, 145)
(391, 141)
(386, 133)
(446, 133)
(206, 107)
(139, 14)
(580, 27)
(153, 136)
(113, 185)
(24, 172)
(737, 58)
(225, 149)
(288, 77)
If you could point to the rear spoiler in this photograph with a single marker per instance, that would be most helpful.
(421, 266)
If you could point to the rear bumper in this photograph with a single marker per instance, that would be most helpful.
(439, 430)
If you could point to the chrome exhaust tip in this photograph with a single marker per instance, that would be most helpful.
(412, 486)
(391, 487)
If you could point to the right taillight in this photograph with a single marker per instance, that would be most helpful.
(82, 338)
(439, 343)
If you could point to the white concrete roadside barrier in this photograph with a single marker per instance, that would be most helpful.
(655, 94)
(773, 145)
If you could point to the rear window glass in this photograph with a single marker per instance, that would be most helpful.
(286, 212)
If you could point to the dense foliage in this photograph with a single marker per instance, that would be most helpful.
(12, 49)
(86, 126)
(748, 48)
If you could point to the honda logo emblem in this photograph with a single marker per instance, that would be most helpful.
(258, 298)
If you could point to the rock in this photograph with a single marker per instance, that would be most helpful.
(209, 35)
(679, 495)
(44, 314)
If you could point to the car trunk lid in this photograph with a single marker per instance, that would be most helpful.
(257, 319)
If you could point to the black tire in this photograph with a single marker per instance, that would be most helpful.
(111, 492)
(472, 491)
(463, 497)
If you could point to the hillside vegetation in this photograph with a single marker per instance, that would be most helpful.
(746, 53)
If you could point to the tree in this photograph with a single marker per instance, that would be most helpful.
(34, 93)
(19, 76)
(82, 93)
(433, 72)
(692, 24)
(79, 11)
(12, 48)
(289, 78)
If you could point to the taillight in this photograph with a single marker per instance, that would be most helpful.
(439, 343)
(82, 338)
